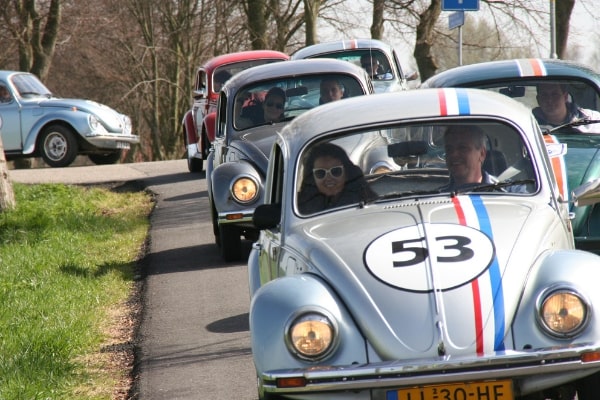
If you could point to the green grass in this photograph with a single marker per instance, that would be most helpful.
(67, 257)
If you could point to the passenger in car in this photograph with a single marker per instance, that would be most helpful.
(331, 90)
(219, 80)
(374, 67)
(4, 94)
(555, 108)
(465, 154)
(330, 180)
(271, 110)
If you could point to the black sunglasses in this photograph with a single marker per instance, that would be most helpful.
(336, 172)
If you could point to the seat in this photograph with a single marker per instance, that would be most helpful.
(495, 162)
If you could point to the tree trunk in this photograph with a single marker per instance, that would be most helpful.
(563, 15)
(257, 26)
(424, 43)
(7, 195)
(377, 23)
(311, 14)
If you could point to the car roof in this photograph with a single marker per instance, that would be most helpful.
(243, 56)
(488, 72)
(5, 74)
(292, 68)
(339, 45)
(412, 104)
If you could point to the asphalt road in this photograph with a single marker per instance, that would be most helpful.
(193, 338)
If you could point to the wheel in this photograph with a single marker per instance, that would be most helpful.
(106, 158)
(58, 146)
(231, 242)
(588, 387)
(194, 164)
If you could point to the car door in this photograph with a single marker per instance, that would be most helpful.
(11, 123)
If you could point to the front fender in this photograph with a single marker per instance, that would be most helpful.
(189, 128)
(277, 303)
(221, 179)
(210, 126)
(568, 269)
(75, 120)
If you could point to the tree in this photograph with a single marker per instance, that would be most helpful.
(35, 27)
(7, 195)
(564, 9)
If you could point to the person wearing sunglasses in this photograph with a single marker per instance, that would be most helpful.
(374, 68)
(258, 113)
(274, 105)
(330, 179)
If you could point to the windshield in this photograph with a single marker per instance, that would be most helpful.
(283, 99)
(373, 61)
(417, 160)
(29, 85)
(555, 102)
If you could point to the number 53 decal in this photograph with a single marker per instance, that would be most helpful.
(419, 258)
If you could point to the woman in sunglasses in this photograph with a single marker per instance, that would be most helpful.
(331, 180)
(273, 105)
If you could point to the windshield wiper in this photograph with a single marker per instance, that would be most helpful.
(408, 193)
(490, 187)
(574, 123)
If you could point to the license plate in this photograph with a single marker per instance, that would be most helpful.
(492, 390)
(123, 145)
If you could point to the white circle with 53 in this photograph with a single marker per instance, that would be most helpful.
(427, 257)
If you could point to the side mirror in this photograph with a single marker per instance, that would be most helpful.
(199, 94)
(587, 194)
(267, 216)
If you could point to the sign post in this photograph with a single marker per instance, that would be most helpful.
(457, 19)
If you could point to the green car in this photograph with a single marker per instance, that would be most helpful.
(573, 141)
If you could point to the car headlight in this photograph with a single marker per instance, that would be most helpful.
(563, 312)
(95, 124)
(244, 189)
(311, 336)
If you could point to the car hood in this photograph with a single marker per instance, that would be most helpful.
(256, 143)
(107, 115)
(421, 279)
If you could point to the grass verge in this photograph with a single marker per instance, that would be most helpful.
(68, 256)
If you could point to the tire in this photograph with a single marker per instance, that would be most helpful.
(194, 164)
(231, 242)
(58, 146)
(105, 159)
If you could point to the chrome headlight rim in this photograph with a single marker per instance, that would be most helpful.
(95, 124)
(316, 314)
(235, 196)
(562, 289)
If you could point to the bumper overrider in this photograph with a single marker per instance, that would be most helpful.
(529, 371)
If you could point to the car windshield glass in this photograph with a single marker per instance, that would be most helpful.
(30, 86)
(372, 60)
(416, 160)
(283, 99)
(555, 102)
(224, 72)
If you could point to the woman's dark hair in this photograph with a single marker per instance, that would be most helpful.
(275, 91)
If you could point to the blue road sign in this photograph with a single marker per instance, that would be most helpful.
(460, 5)
(456, 19)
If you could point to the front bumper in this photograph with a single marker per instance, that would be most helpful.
(530, 372)
(112, 142)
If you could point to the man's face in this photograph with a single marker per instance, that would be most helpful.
(552, 101)
(370, 64)
(331, 91)
(463, 158)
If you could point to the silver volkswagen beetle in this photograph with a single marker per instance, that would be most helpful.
(416, 246)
